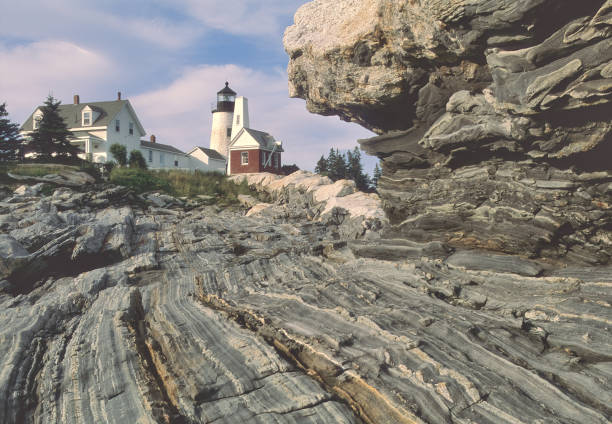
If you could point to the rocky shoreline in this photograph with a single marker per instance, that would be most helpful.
(199, 314)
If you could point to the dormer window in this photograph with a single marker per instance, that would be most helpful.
(86, 119)
(37, 119)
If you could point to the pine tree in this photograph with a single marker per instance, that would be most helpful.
(51, 136)
(355, 170)
(377, 175)
(10, 141)
(321, 167)
(336, 163)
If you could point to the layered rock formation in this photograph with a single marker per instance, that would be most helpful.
(494, 117)
(122, 308)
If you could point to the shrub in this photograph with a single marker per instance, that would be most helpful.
(109, 166)
(119, 153)
(137, 160)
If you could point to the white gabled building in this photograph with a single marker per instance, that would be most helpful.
(98, 125)
(207, 160)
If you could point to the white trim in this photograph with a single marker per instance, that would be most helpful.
(86, 128)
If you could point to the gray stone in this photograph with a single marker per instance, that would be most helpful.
(480, 261)
(453, 89)
(213, 315)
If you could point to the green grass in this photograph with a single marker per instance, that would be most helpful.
(139, 180)
(182, 184)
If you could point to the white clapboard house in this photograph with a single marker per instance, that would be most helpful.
(98, 125)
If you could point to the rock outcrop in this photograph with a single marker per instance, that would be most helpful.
(303, 195)
(127, 310)
(494, 117)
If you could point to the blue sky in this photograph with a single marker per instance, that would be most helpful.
(169, 58)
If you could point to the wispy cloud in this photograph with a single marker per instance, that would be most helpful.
(180, 113)
(242, 17)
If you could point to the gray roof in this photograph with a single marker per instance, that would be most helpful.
(71, 114)
(159, 146)
(213, 154)
(264, 139)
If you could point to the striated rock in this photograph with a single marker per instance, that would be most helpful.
(207, 315)
(494, 117)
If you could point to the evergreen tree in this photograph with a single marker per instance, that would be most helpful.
(321, 167)
(377, 175)
(355, 172)
(336, 163)
(289, 169)
(119, 153)
(137, 160)
(51, 136)
(10, 141)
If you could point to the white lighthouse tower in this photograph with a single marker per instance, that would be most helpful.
(223, 116)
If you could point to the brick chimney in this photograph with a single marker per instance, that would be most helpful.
(153, 138)
(77, 99)
(118, 95)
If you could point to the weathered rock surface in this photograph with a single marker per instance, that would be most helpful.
(494, 117)
(304, 195)
(207, 315)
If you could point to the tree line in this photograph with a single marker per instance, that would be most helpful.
(338, 166)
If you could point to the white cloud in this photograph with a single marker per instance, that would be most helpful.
(31, 72)
(108, 23)
(180, 113)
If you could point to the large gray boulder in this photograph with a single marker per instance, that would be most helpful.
(494, 117)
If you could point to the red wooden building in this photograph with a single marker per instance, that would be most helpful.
(254, 151)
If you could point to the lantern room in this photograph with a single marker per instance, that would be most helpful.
(225, 99)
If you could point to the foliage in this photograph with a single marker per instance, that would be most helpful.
(213, 184)
(377, 175)
(137, 160)
(11, 148)
(321, 167)
(119, 153)
(338, 166)
(354, 170)
(182, 184)
(138, 179)
(289, 169)
(109, 166)
(50, 139)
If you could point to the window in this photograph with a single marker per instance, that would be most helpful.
(244, 158)
(176, 163)
(117, 125)
(263, 158)
(229, 132)
(161, 158)
(131, 128)
(237, 119)
(37, 120)
(86, 118)
(276, 161)
(150, 155)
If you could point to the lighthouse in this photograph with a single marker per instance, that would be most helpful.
(223, 120)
